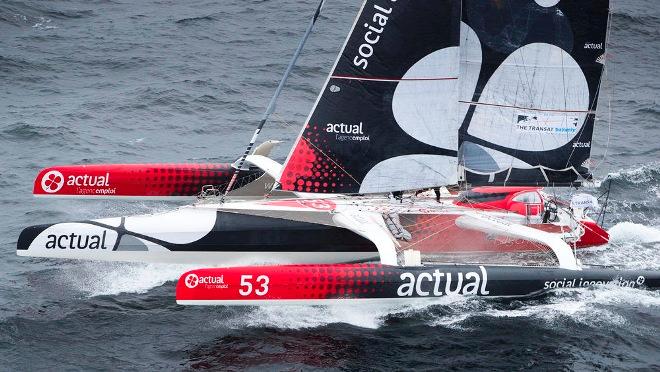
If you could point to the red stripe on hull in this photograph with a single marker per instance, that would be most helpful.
(129, 180)
(290, 282)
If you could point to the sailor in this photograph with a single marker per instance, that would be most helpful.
(436, 190)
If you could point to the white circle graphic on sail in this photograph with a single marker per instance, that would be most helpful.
(537, 100)
(470, 67)
(479, 159)
(547, 3)
(410, 172)
(424, 102)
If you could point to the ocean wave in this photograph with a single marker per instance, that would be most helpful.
(622, 19)
(645, 174)
(30, 132)
(651, 111)
(371, 315)
(38, 14)
(111, 278)
(591, 306)
(10, 65)
(44, 23)
(579, 305)
(195, 20)
(633, 232)
(631, 245)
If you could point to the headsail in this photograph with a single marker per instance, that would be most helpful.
(386, 117)
(530, 76)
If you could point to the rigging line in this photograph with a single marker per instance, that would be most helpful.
(538, 245)
(515, 152)
(435, 217)
(282, 123)
(600, 84)
(609, 127)
(385, 79)
(330, 158)
(563, 77)
(430, 168)
(273, 100)
(289, 125)
(427, 237)
(525, 108)
(543, 249)
(563, 81)
(611, 91)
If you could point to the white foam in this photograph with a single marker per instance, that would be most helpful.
(112, 278)
(44, 24)
(641, 174)
(593, 306)
(365, 315)
(633, 232)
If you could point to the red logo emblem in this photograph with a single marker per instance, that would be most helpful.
(191, 280)
(52, 181)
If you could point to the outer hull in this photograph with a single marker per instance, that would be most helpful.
(319, 284)
(225, 258)
(136, 181)
(196, 235)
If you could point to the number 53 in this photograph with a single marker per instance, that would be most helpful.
(246, 285)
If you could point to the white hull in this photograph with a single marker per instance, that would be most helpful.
(286, 231)
(213, 259)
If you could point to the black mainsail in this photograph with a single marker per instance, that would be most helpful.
(386, 117)
(530, 76)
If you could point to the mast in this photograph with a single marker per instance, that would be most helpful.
(273, 101)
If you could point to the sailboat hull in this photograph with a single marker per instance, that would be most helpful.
(289, 231)
(135, 181)
(196, 235)
(322, 284)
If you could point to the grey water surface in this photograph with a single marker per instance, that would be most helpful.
(170, 81)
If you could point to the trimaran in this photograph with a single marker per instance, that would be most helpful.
(498, 95)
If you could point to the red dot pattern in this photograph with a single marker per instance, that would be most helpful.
(153, 180)
(310, 170)
(335, 281)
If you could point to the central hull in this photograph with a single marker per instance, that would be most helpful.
(274, 231)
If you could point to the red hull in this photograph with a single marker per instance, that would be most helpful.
(594, 235)
(322, 284)
(288, 282)
(130, 180)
